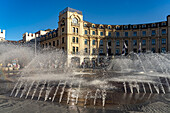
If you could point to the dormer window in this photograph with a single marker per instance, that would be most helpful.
(153, 25)
(101, 27)
(134, 26)
(143, 26)
(117, 27)
(75, 21)
(163, 24)
(93, 26)
(85, 25)
(125, 27)
(109, 27)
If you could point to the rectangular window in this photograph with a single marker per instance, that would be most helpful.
(76, 30)
(143, 33)
(125, 27)
(77, 40)
(117, 34)
(85, 50)
(143, 26)
(85, 42)
(135, 33)
(134, 27)
(101, 42)
(43, 45)
(53, 43)
(126, 34)
(62, 29)
(73, 29)
(94, 42)
(134, 42)
(73, 39)
(117, 43)
(117, 51)
(143, 42)
(101, 50)
(163, 40)
(153, 32)
(153, 41)
(163, 50)
(62, 40)
(57, 42)
(93, 52)
(94, 33)
(101, 33)
(109, 33)
(153, 50)
(46, 44)
(77, 49)
(49, 43)
(163, 31)
(73, 49)
(85, 32)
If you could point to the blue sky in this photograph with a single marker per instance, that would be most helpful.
(20, 16)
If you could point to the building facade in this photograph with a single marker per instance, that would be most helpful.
(86, 41)
(2, 35)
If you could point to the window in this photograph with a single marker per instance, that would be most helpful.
(93, 42)
(94, 33)
(126, 34)
(76, 30)
(53, 43)
(77, 49)
(63, 48)
(43, 45)
(85, 42)
(101, 42)
(101, 50)
(134, 42)
(109, 27)
(57, 42)
(85, 25)
(73, 49)
(143, 26)
(117, 27)
(153, 25)
(101, 33)
(163, 50)
(73, 29)
(153, 41)
(153, 32)
(73, 39)
(75, 21)
(143, 42)
(109, 33)
(117, 51)
(85, 50)
(85, 32)
(93, 51)
(77, 40)
(135, 33)
(163, 31)
(134, 26)
(46, 44)
(163, 40)
(163, 24)
(63, 29)
(153, 50)
(144, 33)
(50, 44)
(125, 27)
(109, 43)
(93, 26)
(63, 40)
(117, 34)
(117, 43)
(101, 27)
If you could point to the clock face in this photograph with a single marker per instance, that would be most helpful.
(74, 20)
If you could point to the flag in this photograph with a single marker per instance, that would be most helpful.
(124, 49)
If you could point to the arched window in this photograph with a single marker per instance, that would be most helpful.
(75, 21)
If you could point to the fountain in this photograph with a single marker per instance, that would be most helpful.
(126, 80)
